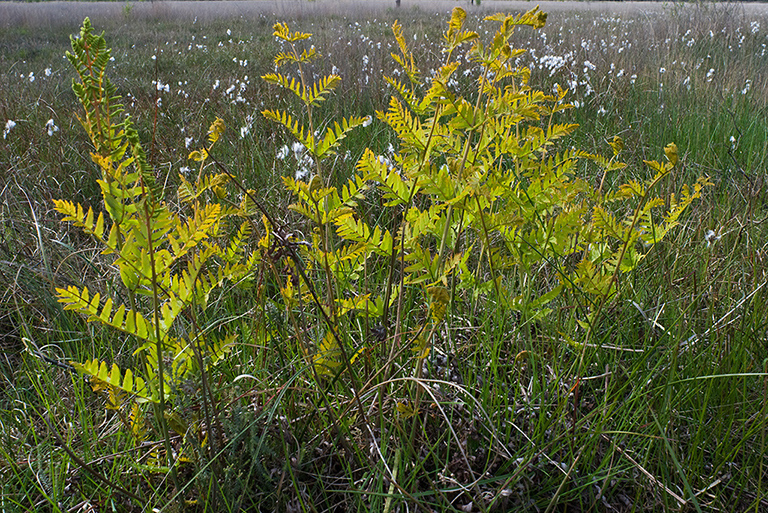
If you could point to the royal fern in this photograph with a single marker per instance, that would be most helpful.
(168, 261)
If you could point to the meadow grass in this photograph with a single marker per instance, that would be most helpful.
(670, 413)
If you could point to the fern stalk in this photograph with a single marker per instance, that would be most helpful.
(159, 406)
(615, 275)
(327, 244)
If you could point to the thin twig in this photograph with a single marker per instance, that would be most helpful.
(647, 474)
(717, 324)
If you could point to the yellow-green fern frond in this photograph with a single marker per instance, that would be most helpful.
(123, 319)
(406, 93)
(282, 31)
(405, 59)
(216, 129)
(407, 127)
(299, 132)
(292, 85)
(320, 90)
(328, 359)
(134, 386)
(334, 135)
(77, 215)
(397, 189)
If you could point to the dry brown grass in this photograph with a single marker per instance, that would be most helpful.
(48, 14)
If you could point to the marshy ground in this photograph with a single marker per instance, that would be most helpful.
(667, 412)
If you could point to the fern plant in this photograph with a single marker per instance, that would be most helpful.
(169, 261)
(486, 202)
(320, 203)
(480, 205)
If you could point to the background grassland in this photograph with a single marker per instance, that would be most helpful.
(672, 415)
